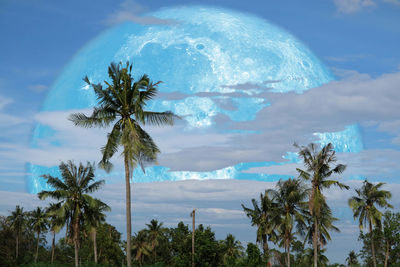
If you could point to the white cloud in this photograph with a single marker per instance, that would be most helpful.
(130, 11)
(395, 2)
(373, 163)
(7, 120)
(353, 6)
(291, 117)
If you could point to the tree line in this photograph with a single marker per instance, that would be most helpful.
(282, 217)
(291, 216)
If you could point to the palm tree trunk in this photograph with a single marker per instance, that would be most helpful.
(37, 246)
(387, 254)
(128, 212)
(265, 249)
(94, 232)
(66, 231)
(288, 252)
(372, 242)
(53, 244)
(155, 253)
(16, 247)
(76, 240)
(315, 243)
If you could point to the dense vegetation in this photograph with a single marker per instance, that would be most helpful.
(293, 221)
(159, 246)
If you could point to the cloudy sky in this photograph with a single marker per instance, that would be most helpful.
(356, 39)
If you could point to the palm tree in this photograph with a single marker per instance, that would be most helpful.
(318, 170)
(308, 257)
(265, 218)
(364, 207)
(122, 104)
(94, 217)
(39, 223)
(325, 224)
(154, 233)
(72, 192)
(352, 259)
(289, 198)
(17, 220)
(141, 246)
(56, 222)
(232, 249)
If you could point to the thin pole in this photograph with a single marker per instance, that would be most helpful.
(193, 228)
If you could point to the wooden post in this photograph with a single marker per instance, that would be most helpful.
(193, 230)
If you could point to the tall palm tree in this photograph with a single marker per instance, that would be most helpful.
(289, 197)
(56, 222)
(39, 223)
(325, 225)
(364, 207)
(17, 221)
(319, 168)
(94, 216)
(154, 232)
(265, 218)
(232, 249)
(122, 104)
(141, 246)
(72, 192)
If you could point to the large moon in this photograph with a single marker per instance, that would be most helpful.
(195, 51)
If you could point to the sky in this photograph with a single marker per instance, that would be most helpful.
(356, 39)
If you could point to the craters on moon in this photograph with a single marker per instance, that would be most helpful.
(200, 46)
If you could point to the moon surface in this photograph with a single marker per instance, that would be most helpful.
(204, 56)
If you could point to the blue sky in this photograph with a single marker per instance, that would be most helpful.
(356, 39)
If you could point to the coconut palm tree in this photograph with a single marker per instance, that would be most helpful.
(265, 218)
(72, 192)
(232, 249)
(56, 222)
(364, 207)
(17, 221)
(319, 168)
(141, 245)
(39, 223)
(289, 197)
(325, 225)
(121, 104)
(154, 232)
(308, 257)
(352, 259)
(93, 217)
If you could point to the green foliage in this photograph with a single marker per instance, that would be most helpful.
(352, 259)
(109, 246)
(121, 104)
(318, 170)
(386, 240)
(291, 208)
(75, 205)
(265, 218)
(254, 258)
(364, 206)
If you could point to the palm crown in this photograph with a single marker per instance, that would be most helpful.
(364, 204)
(318, 170)
(265, 217)
(72, 192)
(122, 104)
